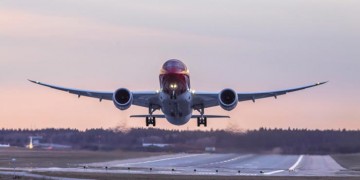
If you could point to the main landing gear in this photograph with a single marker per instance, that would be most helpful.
(150, 121)
(201, 120)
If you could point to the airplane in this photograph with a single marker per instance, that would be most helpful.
(175, 98)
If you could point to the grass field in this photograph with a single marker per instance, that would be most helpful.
(67, 158)
(348, 161)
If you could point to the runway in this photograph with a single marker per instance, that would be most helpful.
(234, 164)
(215, 165)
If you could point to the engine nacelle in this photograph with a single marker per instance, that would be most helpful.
(122, 98)
(228, 99)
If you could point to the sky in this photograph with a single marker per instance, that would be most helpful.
(246, 45)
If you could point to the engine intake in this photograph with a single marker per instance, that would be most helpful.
(122, 98)
(228, 99)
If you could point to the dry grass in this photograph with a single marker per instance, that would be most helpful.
(348, 161)
(66, 158)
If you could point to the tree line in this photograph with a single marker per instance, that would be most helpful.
(287, 141)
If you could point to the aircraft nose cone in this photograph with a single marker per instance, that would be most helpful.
(174, 66)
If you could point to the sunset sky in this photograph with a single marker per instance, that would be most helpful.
(248, 45)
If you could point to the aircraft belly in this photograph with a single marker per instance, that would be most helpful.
(177, 111)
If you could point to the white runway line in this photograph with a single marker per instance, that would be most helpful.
(229, 160)
(248, 174)
(292, 168)
(165, 159)
(274, 172)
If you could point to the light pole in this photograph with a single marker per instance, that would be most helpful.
(13, 160)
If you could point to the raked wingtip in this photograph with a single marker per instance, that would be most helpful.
(320, 83)
(36, 82)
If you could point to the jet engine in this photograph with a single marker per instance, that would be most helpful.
(122, 98)
(228, 99)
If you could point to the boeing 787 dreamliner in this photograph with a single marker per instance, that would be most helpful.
(175, 98)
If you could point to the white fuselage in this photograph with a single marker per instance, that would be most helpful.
(177, 111)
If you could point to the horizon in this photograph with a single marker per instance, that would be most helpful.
(182, 130)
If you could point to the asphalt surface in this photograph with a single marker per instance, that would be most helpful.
(216, 165)
(18, 175)
(234, 164)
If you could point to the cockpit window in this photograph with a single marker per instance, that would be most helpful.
(174, 77)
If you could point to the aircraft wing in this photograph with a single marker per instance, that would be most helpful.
(211, 99)
(94, 94)
(143, 99)
(253, 96)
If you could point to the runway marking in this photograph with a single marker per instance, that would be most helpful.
(165, 159)
(229, 160)
(248, 174)
(207, 173)
(274, 172)
(292, 168)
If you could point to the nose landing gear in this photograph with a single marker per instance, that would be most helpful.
(173, 95)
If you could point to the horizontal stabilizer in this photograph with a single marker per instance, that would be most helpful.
(144, 116)
(163, 116)
(210, 116)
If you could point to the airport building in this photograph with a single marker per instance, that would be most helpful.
(35, 143)
(4, 145)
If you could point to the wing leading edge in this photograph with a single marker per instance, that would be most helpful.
(94, 94)
(254, 96)
(211, 99)
(139, 98)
